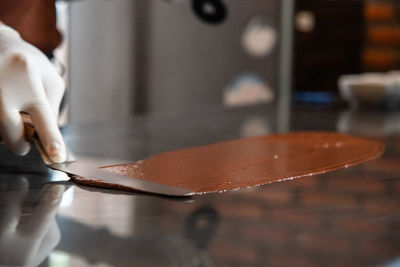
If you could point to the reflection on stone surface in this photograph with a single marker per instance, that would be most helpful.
(150, 248)
(28, 231)
(373, 123)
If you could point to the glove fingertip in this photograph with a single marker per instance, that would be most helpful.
(57, 152)
(21, 148)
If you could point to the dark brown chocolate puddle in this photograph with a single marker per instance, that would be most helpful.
(250, 162)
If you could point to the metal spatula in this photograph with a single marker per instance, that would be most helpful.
(93, 174)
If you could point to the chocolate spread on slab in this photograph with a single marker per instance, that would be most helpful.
(250, 162)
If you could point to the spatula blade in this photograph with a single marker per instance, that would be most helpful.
(93, 173)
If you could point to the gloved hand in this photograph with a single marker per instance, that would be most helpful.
(29, 84)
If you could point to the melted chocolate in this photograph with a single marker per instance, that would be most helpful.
(250, 162)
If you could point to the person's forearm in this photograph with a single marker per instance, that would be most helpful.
(35, 21)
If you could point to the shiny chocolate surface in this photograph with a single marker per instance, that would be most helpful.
(247, 162)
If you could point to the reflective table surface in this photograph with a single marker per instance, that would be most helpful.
(349, 217)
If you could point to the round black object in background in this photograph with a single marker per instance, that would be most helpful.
(210, 11)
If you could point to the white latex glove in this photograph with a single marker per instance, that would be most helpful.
(29, 83)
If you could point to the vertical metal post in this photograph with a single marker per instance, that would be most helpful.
(285, 68)
(142, 24)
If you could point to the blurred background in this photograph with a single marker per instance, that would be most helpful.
(127, 57)
(336, 61)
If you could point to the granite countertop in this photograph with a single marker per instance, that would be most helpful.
(348, 217)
